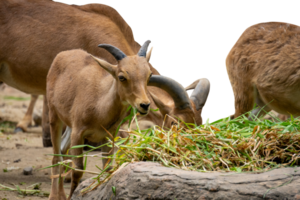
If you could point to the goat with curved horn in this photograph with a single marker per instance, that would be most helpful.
(186, 108)
(127, 86)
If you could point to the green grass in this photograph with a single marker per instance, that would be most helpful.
(238, 145)
(33, 189)
(16, 98)
(6, 126)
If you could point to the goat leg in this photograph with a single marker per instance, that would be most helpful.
(56, 125)
(26, 121)
(76, 139)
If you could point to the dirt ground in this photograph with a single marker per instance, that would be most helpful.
(21, 150)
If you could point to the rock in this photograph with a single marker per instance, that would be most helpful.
(27, 171)
(146, 180)
(18, 146)
(18, 160)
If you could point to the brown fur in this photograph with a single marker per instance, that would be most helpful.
(33, 32)
(86, 94)
(264, 67)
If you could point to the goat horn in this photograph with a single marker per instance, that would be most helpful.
(117, 53)
(173, 88)
(201, 90)
(143, 50)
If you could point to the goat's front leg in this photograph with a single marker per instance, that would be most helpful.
(57, 190)
(76, 139)
(107, 151)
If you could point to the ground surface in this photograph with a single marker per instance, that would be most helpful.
(21, 150)
(25, 147)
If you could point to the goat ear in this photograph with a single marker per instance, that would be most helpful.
(149, 54)
(192, 84)
(105, 65)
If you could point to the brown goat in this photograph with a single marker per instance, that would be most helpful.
(170, 103)
(91, 96)
(264, 69)
(33, 32)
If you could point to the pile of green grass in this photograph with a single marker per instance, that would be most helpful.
(225, 145)
(239, 145)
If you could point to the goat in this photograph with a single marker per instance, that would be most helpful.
(264, 69)
(91, 96)
(167, 106)
(33, 32)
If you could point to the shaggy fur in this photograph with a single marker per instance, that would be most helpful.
(264, 68)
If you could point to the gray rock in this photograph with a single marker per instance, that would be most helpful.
(27, 171)
(146, 180)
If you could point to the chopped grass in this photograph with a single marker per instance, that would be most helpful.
(238, 145)
(225, 145)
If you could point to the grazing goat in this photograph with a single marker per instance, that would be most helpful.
(264, 69)
(91, 96)
(170, 103)
(33, 32)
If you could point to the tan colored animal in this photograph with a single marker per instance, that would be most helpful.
(33, 32)
(91, 96)
(264, 69)
(169, 103)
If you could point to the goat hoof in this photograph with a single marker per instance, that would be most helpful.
(18, 130)
(67, 180)
(47, 142)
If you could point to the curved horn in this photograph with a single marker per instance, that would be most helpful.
(143, 50)
(201, 90)
(173, 88)
(117, 53)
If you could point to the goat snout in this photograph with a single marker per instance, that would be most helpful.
(145, 106)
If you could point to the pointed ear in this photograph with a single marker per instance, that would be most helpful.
(105, 65)
(149, 54)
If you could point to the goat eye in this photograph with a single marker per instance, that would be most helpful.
(122, 78)
(149, 76)
(173, 123)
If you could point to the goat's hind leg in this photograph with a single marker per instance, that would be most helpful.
(45, 124)
(56, 125)
(26, 121)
